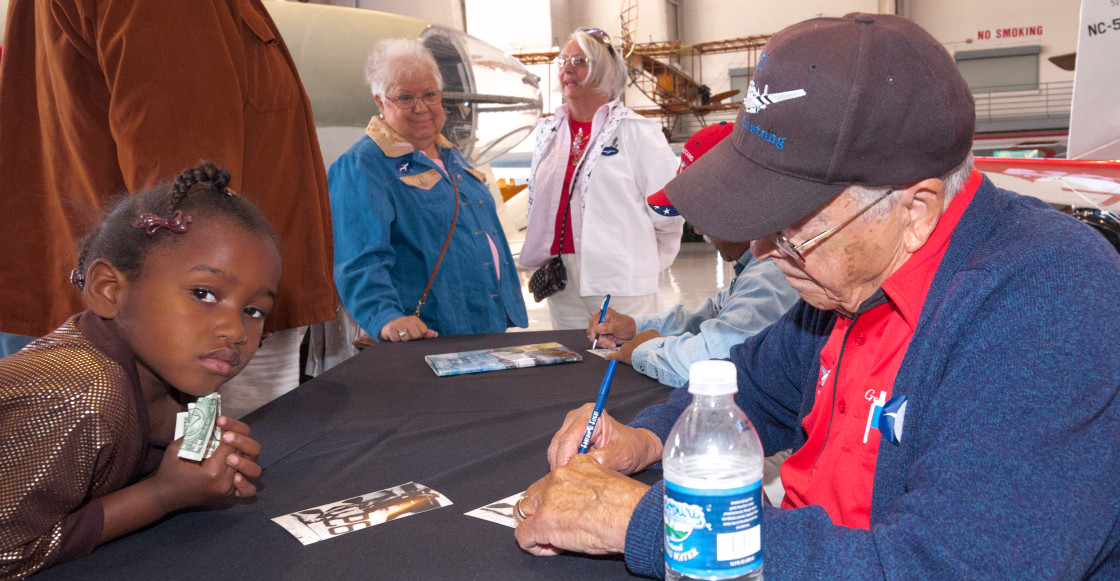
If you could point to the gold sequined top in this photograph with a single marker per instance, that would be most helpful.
(73, 428)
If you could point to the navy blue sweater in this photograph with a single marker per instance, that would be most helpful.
(1009, 464)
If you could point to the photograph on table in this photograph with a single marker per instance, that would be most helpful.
(345, 516)
(499, 511)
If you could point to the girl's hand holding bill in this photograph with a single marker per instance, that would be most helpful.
(243, 456)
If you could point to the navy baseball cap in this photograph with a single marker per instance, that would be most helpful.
(867, 99)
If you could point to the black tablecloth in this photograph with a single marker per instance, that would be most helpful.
(378, 420)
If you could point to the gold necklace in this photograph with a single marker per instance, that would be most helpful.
(577, 146)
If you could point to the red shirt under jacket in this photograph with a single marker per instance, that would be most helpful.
(582, 131)
(835, 469)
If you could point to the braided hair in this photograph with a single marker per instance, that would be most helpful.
(139, 224)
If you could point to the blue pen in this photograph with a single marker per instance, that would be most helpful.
(600, 402)
(602, 314)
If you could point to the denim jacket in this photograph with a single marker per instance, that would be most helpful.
(392, 208)
(757, 296)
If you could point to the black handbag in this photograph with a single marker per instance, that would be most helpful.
(548, 279)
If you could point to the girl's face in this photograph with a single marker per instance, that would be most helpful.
(195, 314)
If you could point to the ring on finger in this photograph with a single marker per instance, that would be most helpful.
(402, 334)
(517, 509)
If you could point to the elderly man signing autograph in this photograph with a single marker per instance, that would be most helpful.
(946, 382)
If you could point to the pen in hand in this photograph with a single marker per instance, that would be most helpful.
(597, 411)
(602, 315)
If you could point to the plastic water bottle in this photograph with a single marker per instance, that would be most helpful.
(713, 483)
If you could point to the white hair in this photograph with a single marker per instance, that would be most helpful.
(957, 178)
(606, 71)
(396, 60)
(954, 182)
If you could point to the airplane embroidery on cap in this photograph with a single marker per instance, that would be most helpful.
(755, 101)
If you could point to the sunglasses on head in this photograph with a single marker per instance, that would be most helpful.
(601, 36)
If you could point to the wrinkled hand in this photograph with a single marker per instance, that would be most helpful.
(626, 352)
(243, 459)
(582, 506)
(613, 444)
(615, 329)
(406, 329)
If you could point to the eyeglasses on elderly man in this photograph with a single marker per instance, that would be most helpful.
(794, 252)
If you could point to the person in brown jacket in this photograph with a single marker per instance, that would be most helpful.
(102, 98)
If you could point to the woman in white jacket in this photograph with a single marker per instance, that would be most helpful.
(608, 159)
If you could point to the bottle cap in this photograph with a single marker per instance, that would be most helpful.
(713, 377)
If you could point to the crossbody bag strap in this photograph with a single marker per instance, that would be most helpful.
(568, 208)
(446, 243)
(564, 224)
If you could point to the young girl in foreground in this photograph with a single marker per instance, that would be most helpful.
(178, 281)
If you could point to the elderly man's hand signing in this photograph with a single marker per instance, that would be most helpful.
(613, 444)
(615, 329)
(581, 507)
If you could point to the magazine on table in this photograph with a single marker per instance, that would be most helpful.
(503, 358)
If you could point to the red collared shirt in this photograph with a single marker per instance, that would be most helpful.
(835, 469)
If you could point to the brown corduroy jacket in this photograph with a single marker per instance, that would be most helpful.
(102, 97)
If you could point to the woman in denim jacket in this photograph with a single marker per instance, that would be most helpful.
(401, 270)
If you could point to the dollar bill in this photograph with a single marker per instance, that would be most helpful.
(216, 435)
(197, 428)
(180, 419)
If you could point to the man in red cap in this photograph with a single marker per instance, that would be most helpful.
(672, 340)
(946, 374)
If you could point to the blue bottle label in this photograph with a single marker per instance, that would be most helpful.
(713, 533)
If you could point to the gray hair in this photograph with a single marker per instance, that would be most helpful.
(396, 60)
(863, 195)
(606, 71)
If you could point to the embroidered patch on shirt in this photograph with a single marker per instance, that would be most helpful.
(611, 149)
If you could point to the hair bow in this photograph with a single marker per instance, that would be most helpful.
(78, 279)
(178, 222)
